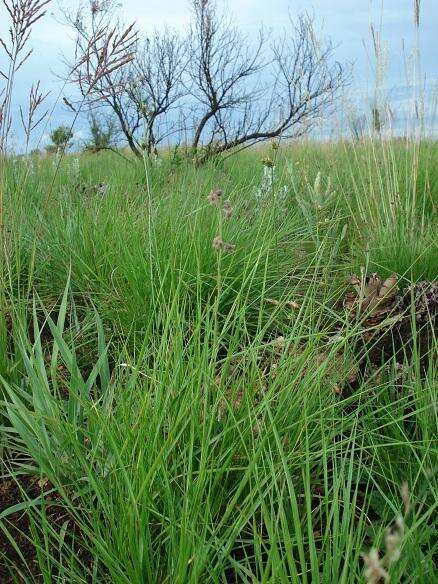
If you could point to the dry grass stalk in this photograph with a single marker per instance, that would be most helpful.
(23, 14)
(33, 119)
(99, 52)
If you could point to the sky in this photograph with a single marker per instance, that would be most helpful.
(346, 22)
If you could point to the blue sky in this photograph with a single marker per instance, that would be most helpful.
(347, 22)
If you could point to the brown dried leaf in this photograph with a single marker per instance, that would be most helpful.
(389, 287)
(372, 285)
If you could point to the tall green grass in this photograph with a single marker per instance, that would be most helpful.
(193, 431)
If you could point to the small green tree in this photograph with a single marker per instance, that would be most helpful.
(102, 134)
(61, 138)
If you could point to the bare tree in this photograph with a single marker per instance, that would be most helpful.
(143, 93)
(216, 88)
(222, 71)
(249, 95)
(155, 86)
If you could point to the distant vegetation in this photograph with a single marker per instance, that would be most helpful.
(61, 138)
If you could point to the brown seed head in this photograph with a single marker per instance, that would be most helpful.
(228, 247)
(228, 210)
(215, 196)
(95, 7)
(218, 243)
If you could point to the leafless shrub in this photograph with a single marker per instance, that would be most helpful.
(221, 71)
(215, 91)
(249, 95)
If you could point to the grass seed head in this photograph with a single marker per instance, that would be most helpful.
(228, 210)
(218, 243)
(374, 572)
(405, 494)
(215, 196)
(228, 247)
(393, 541)
(268, 162)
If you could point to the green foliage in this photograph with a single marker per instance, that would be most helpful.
(61, 138)
(102, 134)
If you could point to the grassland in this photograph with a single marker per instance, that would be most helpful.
(177, 413)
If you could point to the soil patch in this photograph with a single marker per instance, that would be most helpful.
(22, 565)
